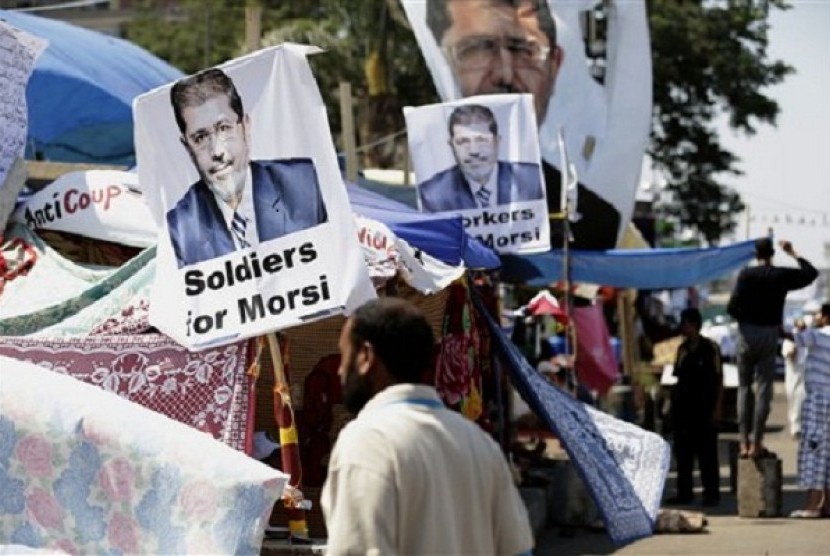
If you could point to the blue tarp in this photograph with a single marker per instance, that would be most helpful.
(81, 92)
(648, 269)
(441, 236)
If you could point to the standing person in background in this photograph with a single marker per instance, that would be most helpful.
(408, 475)
(757, 303)
(814, 449)
(696, 410)
(795, 359)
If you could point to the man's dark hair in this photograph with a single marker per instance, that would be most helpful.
(399, 333)
(198, 88)
(825, 310)
(469, 113)
(439, 20)
(764, 249)
(692, 316)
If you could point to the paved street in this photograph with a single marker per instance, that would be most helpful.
(726, 533)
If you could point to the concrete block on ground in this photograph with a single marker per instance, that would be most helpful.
(759, 487)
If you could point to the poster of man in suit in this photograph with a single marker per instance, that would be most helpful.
(236, 203)
(237, 165)
(538, 47)
(487, 169)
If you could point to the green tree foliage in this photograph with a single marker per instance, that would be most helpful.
(710, 58)
(194, 34)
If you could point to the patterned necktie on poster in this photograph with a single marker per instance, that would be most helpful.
(239, 225)
(483, 197)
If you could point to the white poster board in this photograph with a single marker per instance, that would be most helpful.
(101, 204)
(479, 157)
(250, 143)
(606, 126)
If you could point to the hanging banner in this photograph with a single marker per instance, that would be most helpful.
(479, 157)
(18, 53)
(101, 204)
(603, 103)
(240, 173)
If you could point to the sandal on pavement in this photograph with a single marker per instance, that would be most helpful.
(806, 514)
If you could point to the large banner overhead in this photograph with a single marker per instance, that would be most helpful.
(475, 47)
(480, 157)
(240, 173)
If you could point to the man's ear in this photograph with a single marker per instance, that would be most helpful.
(246, 123)
(366, 358)
(556, 59)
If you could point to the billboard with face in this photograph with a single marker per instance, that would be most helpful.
(477, 47)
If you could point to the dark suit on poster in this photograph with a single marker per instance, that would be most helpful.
(599, 225)
(286, 197)
(449, 190)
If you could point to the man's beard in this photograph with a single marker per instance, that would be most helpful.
(357, 391)
(229, 190)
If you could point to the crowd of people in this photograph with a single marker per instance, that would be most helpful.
(757, 304)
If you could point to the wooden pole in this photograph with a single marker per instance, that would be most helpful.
(253, 26)
(289, 441)
(347, 124)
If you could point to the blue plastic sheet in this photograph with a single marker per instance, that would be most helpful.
(649, 269)
(81, 92)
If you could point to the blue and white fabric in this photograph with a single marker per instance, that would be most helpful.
(814, 450)
(623, 466)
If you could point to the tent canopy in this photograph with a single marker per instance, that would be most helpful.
(648, 269)
(441, 236)
(81, 92)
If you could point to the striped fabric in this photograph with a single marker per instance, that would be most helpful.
(483, 197)
(239, 226)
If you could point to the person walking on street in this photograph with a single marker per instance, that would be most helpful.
(696, 410)
(757, 303)
(408, 475)
(814, 449)
(794, 367)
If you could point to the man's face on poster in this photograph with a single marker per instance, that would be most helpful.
(497, 48)
(476, 149)
(217, 141)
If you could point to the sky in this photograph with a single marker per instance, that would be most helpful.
(787, 168)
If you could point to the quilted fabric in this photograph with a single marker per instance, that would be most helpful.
(84, 471)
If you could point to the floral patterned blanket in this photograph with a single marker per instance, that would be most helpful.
(208, 390)
(83, 471)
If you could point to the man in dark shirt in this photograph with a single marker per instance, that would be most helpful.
(757, 303)
(696, 409)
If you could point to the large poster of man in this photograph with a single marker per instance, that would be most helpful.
(480, 157)
(476, 47)
(256, 232)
